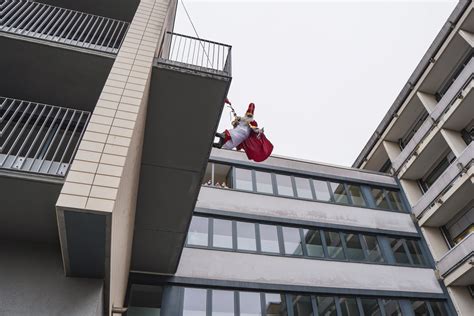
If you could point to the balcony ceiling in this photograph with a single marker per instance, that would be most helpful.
(464, 114)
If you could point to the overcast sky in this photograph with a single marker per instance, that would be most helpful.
(322, 74)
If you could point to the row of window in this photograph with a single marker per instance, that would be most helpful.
(226, 176)
(242, 236)
(202, 302)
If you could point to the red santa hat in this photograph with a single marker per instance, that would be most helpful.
(250, 109)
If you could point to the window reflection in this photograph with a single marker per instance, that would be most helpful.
(415, 252)
(392, 308)
(314, 244)
(439, 308)
(302, 305)
(371, 307)
(339, 192)
(334, 245)
(246, 236)
(198, 231)
(373, 248)
(195, 302)
(275, 305)
(269, 238)
(243, 179)
(303, 188)
(399, 251)
(356, 195)
(222, 236)
(322, 190)
(348, 306)
(379, 198)
(250, 304)
(326, 306)
(264, 182)
(395, 200)
(420, 308)
(222, 303)
(284, 185)
(292, 241)
(354, 249)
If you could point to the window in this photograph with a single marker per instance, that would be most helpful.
(198, 231)
(284, 185)
(380, 198)
(264, 182)
(275, 305)
(269, 238)
(373, 249)
(407, 251)
(461, 225)
(326, 306)
(356, 195)
(314, 244)
(218, 175)
(339, 192)
(370, 307)
(428, 180)
(348, 306)
(292, 241)
(392, 308)
(439, 308)
(399, 252)
(420, 308)
(243, 179)
(195, 302)
(301, 305)
(303, 188)
(222, 237)
(415, 252)
(246, 236)
(354, 249)
(322, 191)
(249, 303)
(222, 303)
(395, 199)
(334, 245)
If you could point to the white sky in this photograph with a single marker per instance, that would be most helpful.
(322, 74)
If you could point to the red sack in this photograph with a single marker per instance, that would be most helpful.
(257, 148)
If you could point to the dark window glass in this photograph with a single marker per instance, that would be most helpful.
(222, 236)
(198, 231)
(195, 302)
(322, 191)
(326, 306)
(292, 241)
(420, 308)
(264, 182)
(380, 199)
(371, 307)
(303, 188)
(250, 304)
(348, 306)
(374, 254)
(439, 308)
(356, 195)
(243, 179)
(301, 305)
(284, 185)
(222, 176)
(222, 303)
(354, 249)
(399, 251)
(427, 181)
(275, 305)
(334, 245)
(314, 244)
(246, 236)
(207, 180)
(339, 192)
(415, 252)
(392, 308)
(395, 200)
(269, 238)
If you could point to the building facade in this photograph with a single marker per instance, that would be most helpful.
(425, 140)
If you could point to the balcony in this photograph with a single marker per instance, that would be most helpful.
(457, 266)
(37, 145)
(189, 83)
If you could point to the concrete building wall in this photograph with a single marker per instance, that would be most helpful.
(33, 283)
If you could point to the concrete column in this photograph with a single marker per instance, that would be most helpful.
(468, 37)
(428, 100)
(462, 300)
(435, 240)
(412, 190)
(392, 149)
(454, 140)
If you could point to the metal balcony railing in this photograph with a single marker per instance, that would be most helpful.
(39, 138)
(42, 21)
(200, 55)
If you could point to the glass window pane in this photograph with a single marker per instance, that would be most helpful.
(292, 241)
(301, 305)
(246, 236)
(303, 188)
(222, 303)
(269, 238)
(195, 302)
(439, 308)
(354, 249)
(198, 231)
(348, 306)
(207, 180)
(322, 191)
(334, 244)
(356, 195)
(243, 179)
(339, 192)
(222, 175)
(374, 253)
(395, 200)
(275, 305)
(371, 307)
(250, 304)
(420, 308)
(379, 198)
(399, 251)
(264, 182)
(392, 308)
(326, 306)
(222, 236)
(314, 244)
(284, 185)
(415, 252)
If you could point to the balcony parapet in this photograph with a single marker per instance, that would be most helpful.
(39, 138)
(193, 54)
(434, 117)
(45, 22)
(460, 254)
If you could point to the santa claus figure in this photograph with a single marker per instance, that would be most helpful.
(246, 135)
